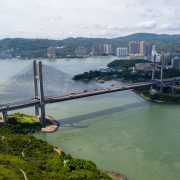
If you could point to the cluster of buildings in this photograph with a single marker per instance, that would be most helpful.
(145, 67)
(172, 60)
(103, 48)
(140, 48)
(136, 49)
(6, 54)
(51, 51)
(81, 51)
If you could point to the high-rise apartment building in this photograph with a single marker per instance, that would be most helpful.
(122, 51)
(94, 49)
(142, 48)
(149, 49)
(107, 48)
(176, 63)
(81, 51)
(51, 52)
(101, 49)
(134, 47)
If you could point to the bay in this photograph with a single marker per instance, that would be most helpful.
(118, 131)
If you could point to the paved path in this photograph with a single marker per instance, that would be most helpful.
(25, 177)
(24, 147)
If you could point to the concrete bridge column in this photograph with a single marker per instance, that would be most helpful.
(4, 117)
(35, 87)
(162, 72)
(153, 69)
(43, 120)
(173, 84)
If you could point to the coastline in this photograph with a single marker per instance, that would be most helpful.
(49, 128)
(157, 101)
(54, 127)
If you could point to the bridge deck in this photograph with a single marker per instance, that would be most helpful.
(76, 95)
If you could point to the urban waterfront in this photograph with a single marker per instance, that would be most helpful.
(141, 142)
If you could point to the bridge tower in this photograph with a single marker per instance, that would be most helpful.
(41, 92)
(4, 117)
(153, 69)
(162, 72)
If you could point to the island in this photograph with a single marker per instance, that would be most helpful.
(122, 70)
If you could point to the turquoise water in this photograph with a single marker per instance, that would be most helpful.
(119, 131)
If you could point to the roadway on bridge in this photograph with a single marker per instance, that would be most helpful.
(85, 93)
(73, 95)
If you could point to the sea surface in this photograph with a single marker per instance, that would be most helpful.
(119, 131)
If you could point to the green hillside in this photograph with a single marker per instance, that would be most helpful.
(21, 152)
(126, 63)
(33, 48)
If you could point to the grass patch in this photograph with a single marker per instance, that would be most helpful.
(26, 120)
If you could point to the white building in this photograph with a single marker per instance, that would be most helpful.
(122, 51)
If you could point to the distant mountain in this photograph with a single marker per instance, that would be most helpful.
(33, 48)
(147, 36)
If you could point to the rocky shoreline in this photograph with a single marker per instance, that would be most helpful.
(49, 128)
(157, 101)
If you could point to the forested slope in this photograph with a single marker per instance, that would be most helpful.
(33, 48)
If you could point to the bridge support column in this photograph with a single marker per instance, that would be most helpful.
(35, 87)
(153, 69)
(43, 120)
(173, 84)
(4, 117)
(162, 72)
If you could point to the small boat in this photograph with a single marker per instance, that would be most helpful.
(101, 81)
(67, 59)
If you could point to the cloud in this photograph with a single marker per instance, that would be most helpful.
(171, 2)
(149, 9)
(56, 17)
(146, 25)
(20, 31)
(91, 26)
(143, 15)
(72, 33)
(52, 18)
(40, 28)
(117, 27)
(103, 33)
(157, 14)
(58, 32)
(170, 27)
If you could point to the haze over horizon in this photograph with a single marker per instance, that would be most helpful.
(103, 19)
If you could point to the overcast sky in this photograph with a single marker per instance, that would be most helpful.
(59, 19)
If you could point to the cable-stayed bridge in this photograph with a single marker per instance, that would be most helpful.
(42, 84)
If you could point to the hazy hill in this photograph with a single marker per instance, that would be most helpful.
(33, 48)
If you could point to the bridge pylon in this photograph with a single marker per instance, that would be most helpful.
(162, 59)
(4, 117)
(39, 79)
(153, 69)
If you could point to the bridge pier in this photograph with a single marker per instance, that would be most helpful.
(173, 84)
(4, 117)
(153, 70)
(162, 72)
